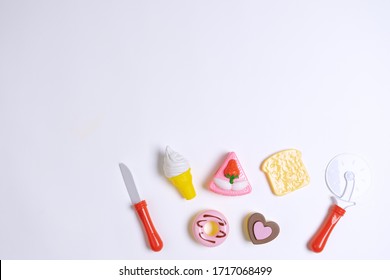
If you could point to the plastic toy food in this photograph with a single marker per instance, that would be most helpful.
(210, 228)
(260, 231)
(178, 171)
(347, 177)
(285, 171)
(230, 178)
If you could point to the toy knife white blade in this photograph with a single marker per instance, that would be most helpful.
(130, 184)
(140, 206)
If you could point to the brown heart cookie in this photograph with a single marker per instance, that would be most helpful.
(260, 231)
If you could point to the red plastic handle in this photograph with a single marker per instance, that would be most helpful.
(319, 240)
(154, 239)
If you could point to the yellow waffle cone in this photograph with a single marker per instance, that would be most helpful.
(183, 183)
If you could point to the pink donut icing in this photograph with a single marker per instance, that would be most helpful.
(213, 239)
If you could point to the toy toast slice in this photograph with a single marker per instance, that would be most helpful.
(285, 171)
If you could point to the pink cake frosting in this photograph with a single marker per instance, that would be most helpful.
(222, 185)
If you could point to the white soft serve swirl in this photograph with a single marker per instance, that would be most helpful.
(174, 163)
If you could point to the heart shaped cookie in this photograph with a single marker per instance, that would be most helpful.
(260, 231)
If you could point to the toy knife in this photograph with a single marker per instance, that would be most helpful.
(140, 206)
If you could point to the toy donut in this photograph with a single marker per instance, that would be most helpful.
(210, 228)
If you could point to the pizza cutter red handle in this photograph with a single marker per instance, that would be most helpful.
(319, 240)
(154, 238)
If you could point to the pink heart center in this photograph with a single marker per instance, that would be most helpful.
(261, 232)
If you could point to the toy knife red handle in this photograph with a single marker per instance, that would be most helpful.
(154, 239)
(319, 240)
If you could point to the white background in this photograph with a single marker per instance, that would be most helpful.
(85, 85)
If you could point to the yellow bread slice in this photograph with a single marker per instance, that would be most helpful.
(285, 171)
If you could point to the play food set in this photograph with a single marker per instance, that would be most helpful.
(260, 231)
(347, 177)
(285, 171)
(178, 171)
(230, 179)
(210, 228)
(140, 206)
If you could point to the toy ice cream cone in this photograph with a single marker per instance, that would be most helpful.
(178, 171)
(183, 183)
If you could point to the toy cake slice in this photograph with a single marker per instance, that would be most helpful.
(230, 179)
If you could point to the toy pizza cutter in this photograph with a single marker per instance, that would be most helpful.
(347, 177)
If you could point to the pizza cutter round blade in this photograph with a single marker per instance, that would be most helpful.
(347, 177)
